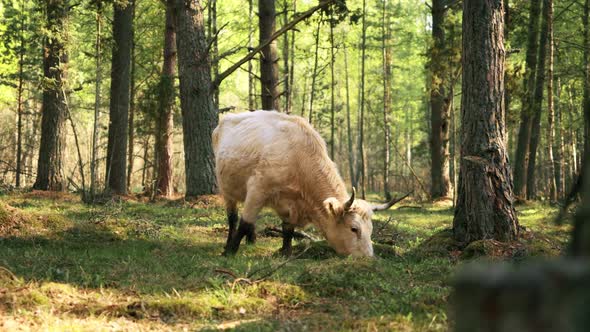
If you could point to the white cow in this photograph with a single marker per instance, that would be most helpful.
(266, 158)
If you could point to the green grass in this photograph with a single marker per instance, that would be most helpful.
(131, 265)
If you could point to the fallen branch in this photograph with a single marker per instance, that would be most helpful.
(277, 232)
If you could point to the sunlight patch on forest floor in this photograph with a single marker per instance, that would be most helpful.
(130, 265)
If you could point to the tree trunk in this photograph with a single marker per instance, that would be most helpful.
(361, 143)
(116, 176)
(199, 116)
(251, 87)
(286, 54)
(485, 207)
(165, 124)
(332, 88)
(524, 132)
(98, 82)
(439, 121)
(52, 145)
(586, 102)
(550, 108)
(19, 100)
(291, 77)
(269, 65)
(213, 34)
(537, 105)
(580, 245)
(560, 156)
(315, 71)
(132, 92)
(387, 64)
(348, 124)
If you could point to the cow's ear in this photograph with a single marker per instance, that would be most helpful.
(334, 207)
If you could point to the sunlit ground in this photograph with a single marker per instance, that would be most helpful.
(138, 266)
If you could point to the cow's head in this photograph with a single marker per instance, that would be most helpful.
(350, 227)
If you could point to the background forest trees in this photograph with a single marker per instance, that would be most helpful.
(380, 80)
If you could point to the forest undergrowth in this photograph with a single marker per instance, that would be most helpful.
(133, 265)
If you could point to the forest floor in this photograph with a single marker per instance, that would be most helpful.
(132, 265)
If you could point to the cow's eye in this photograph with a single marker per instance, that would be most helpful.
(354, 229)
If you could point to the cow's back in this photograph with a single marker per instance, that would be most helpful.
(263, 147)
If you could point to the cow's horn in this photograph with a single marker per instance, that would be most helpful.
(348, 203)
(391, 203)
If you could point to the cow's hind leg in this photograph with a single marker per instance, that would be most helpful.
(288, 232)
(232, 220)
(252, 206)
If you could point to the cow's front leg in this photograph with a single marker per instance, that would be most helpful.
(252, 206)
(288, 232)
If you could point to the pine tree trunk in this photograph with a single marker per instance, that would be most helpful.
(387, 64)
(291, 77)
(269, 65)
(214, 47)
(97, 83)
(286, 54)
(550, 108)
(251, 87)
(536, 105)
(586, 102)
(560, 156)
(199, 116)
(348, 123)
(361, 139)
(165, 123)
(524, 132)
(52, 145)
(485, 205)
(580, 245)
(315, 71)
(132, 92)
(332, 88)
(19, 101)
(439, 120)
(116, 173)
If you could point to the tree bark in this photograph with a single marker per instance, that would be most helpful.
(580, 245)
(332, 88)
(348, 122)
(286, 56)
(52, 145)
(586, 102)
(199, 116)
(485, 204)
(251, 86)
(315, 71)
(387, 64)
(361, 139)
(291, 78)
(441, 186)
(213, 36)
(560, 156)
(537, 105)
(132, 93)
(116, 167)
(550, 106)
(524, 132)
(269, 62)
(165, 123)
(97, 83)
(19, 99)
